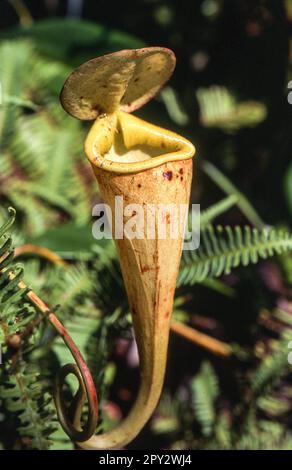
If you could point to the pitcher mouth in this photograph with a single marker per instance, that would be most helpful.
(123, 143)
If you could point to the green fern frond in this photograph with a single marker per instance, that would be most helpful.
(218, 108)
(32, 144)
(6, 226)
(37, 215)
(273, 367)
(273, 406)
(14, 56)
(267, 436)
(75, 282)
(15, 312)
(24, 396)
(43, 171)
(205, 391)
(106, 267)
(23, 393)
(283, 316)
(225, 248)
(167, 419)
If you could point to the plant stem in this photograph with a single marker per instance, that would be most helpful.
(41, 251)
(25, 18)
(212, 345)
(228, 187)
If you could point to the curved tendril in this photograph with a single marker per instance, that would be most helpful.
(86, 390)
(73, 428)
(71, 419)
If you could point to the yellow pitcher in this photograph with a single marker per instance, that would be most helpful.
(146, 165)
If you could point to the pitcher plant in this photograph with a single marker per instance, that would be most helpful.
(146, 166)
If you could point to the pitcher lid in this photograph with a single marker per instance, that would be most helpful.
(124, 80)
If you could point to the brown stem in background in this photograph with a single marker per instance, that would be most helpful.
(23, 13)
(41, 251)
(215, 346)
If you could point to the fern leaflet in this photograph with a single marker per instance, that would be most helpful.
(225, 248)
